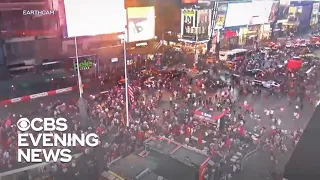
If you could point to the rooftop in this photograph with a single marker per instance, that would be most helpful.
(132, 166)
(161, 145)
(189, 156)
(157, 165)
(304, 161)
(161, 157)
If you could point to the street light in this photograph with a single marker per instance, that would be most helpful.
(195, 47)
(81, 102)
(123, 38)
(78, 68)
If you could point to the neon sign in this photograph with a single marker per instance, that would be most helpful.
(86, 64)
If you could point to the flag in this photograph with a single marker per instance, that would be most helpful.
(131, 93)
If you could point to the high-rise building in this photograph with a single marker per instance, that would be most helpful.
(28, 30)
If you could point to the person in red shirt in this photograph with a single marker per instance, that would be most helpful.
(227, 143)
(241, 131)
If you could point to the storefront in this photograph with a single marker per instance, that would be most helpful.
(265, 32)
(280, 28)
(242, 35)
(142, 60)
(229, 38)
(252, 34)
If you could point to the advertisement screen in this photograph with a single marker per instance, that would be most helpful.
(188, 24)
(141, 23)
(221, 15)
(237, 14)
(203, 24)
(189, 1)
(260, 12)
(86, 18)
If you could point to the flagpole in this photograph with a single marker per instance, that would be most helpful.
(126, 76)
(78, 68)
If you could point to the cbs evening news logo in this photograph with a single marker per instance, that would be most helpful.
(50, 135)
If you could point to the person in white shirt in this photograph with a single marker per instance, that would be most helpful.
(271, 112)
(279, 122)
(6, 155)
(175, 94)
(267, 112)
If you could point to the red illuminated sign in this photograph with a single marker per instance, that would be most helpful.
(29, 33)
(189, 1)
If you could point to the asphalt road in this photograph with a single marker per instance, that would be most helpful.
(258, 166)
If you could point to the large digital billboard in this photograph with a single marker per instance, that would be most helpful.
(141, 23)
(238, 14)
(260, 12)
(221, 15)
(203, 22)
(188, 23)
(94, 17)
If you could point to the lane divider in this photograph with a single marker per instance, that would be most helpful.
(40, 95)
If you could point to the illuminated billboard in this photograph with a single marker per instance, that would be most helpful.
(221, 15)
(260, 12)
(188, 23)
(189, 1)
(203, 21)
(234, 18)
(141, 23)
(94, 17)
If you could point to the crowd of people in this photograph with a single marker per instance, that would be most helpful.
(164, 102)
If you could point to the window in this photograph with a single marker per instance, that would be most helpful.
(50, 66)
(18, 49)
(21, 70)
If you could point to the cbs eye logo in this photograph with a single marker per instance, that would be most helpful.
(23, 124)
(46, 124)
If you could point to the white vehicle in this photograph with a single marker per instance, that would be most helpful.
(270, 84)
(235, 54)
(289, 45)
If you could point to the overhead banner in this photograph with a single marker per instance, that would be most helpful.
(188, 24)
(94, 18)
(203, 21)
(221, 15)
(141, 23)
